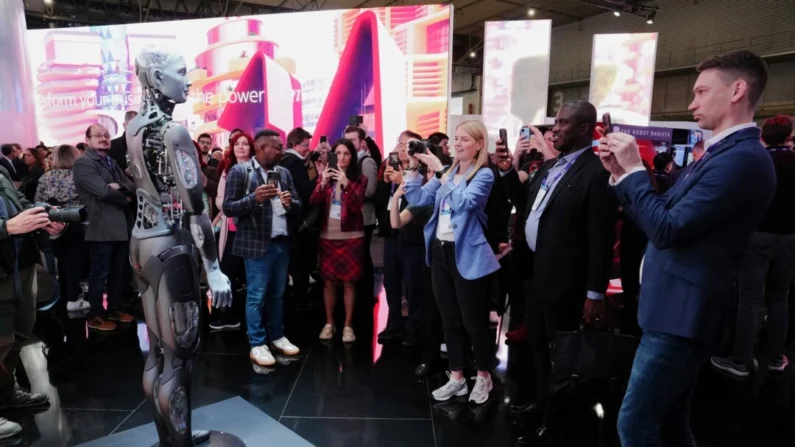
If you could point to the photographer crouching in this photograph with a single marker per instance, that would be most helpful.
(19, 220)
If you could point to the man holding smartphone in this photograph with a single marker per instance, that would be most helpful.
(262, 196)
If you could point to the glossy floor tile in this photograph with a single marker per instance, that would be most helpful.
(364, 394)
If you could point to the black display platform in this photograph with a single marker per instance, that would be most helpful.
(234, 416)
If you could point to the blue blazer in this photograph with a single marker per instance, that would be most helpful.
(473, 254)
(697, 232)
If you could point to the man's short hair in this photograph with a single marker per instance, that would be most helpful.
(130, 115)
(412, 135)
(7, 149)
(297, 136)
(266, 133)
(699, 145)
(438, 137)
(740, 64)
(204, 135)
(662, 160)
(584, 112)
(81, 146)
(776, 130)
(359, 131)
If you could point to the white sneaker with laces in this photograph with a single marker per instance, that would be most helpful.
(328, 332)
(481, 390)
(75, 306)
(284, 346)
(452, 388)
(348, 336)
(261, 355)
(9, 429)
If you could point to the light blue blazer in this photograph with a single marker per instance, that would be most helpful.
(473, 254)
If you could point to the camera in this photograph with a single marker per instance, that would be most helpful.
(73, 214)
(423, 147)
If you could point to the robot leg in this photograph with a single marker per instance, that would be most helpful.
(178, 314)
(154, 358)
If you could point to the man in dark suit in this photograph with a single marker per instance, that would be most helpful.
(118, 147)
(11, 162)
(570, 216)
(304, 258)
(697, 232)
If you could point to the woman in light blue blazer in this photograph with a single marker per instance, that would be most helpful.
(459, 255)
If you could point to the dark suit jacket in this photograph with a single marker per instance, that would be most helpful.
(254, 220)
(697, 232)
(118, 151)
(22, 169)
(10, 169)
(303, 185)
(576, 233)
(108, 209)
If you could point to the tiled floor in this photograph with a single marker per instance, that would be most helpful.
(332, 395)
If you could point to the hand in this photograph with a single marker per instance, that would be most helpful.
(342, 179)
(31, 219)
(503, 246)
(325, 176)
(54, 228)
(625, 149)
(114, 186)
(503, 157)
(593, 311)
(265, 192)
(220, 292)
(287, 198)
(523, 145)
(400, 192)
(539, 143)
(388, 174)
(430, 160)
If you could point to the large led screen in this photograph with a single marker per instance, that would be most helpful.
(280, 71)
(515, 76)
(622, 76)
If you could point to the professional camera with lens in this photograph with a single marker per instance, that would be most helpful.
(72, 214)
(423, 147)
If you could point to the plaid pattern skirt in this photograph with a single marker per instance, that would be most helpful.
(341, 260)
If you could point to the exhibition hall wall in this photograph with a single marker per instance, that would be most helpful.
(390, 65)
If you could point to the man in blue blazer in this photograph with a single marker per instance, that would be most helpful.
(696, 231)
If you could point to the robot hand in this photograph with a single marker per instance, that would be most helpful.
(220, 289)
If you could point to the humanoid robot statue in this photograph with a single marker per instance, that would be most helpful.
(171, 232)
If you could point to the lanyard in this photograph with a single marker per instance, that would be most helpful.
(545, 185)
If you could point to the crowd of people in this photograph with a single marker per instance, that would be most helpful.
(287, 214)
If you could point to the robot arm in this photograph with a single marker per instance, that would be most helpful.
(184, 162)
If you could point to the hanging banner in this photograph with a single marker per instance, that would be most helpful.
(515, 76)
(622, 76)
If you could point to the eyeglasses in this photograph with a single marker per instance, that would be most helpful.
(101, 135)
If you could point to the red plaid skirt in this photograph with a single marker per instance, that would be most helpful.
(341, 260)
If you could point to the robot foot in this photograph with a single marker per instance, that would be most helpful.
(207, 438)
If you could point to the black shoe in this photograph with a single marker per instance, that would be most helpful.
(389, 335)
(521, 411)
(543, 435)
(21, 399)
(410, 340)
(423, 370)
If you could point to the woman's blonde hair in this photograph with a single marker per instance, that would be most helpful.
(64, 156)
(477, 130)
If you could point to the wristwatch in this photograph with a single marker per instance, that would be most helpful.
(439, 175)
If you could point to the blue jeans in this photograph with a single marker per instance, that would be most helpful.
(266, 278)
(656, 407)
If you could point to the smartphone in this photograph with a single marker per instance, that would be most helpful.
(525, 133)
(608, 123)
(504, 139)
(394, 161)
(332, 160)
(323, 139)
(355, 120)
(274, 178)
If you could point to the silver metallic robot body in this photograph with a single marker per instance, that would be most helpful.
(171, 232)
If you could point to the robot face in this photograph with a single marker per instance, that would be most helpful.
(172, 80)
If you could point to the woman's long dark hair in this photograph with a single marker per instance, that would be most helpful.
(353, 172)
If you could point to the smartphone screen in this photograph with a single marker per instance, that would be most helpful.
(274, 178)
(524, 132)
(332, 160)
(504, 139)
(394, 161)
(323, 139)
(608, 123)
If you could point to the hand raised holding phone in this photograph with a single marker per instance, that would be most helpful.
(265, 192)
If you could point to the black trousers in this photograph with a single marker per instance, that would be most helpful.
(464, 306)
(72, 257)
(403, 266)
(108, 260)
(303, 261)
(431, 318)
(544, 320)
(367, 281)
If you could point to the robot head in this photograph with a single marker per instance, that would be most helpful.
(164, 72)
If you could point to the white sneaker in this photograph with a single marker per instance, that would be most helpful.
(348, 336)
(452, 388)
(9, 429)
(284, 346)
(481, 390)
(328, 332)
(261, 355)
(443, 348)
(76, 306)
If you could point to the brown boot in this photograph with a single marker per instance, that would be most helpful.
(121, 317)
(100, 324)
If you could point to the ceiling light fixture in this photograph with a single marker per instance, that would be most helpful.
(531, 12)
(616, 13)
(473, 55)
(650, 17)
